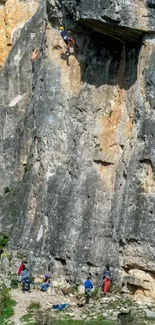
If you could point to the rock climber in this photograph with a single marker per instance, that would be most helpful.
(106, 279)
(88, 286)
(25, 279)
(67, 39)
(33, 58)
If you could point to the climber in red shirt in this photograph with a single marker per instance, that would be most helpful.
(106, 279)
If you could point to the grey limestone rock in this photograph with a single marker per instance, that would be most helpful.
(149, 313)
(77, 139)
(124, 19)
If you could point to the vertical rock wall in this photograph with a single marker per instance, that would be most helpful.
(77, 142)
(13, 15)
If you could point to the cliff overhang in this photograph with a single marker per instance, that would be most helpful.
(123, 34)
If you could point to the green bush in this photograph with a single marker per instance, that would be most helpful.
(6, 306)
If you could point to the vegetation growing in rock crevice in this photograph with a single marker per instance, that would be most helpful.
(3, 240)
(6, 190)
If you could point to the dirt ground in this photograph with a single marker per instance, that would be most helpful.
(46, 300)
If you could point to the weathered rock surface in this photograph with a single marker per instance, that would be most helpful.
(77, 149)
(13, 15)
(126, 20)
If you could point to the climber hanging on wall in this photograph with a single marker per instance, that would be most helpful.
(33, 58)
(67, 39)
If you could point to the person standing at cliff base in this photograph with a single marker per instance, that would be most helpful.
(106, 279)
(67, 39)
(25, 279)
(88, 286)
(21, 266)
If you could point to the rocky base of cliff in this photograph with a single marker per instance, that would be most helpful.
(135, 282)
(110, 310)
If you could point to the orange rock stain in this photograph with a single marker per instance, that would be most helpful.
(13, 14)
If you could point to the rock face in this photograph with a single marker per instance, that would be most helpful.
(13, 15)
(110, 16)
(78, 141)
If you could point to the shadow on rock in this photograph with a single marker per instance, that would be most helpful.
(65, 56)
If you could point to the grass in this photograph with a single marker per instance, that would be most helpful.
(27, 318)
(73, 289)
(36, 316)
(33, 306)
(120, 302)
(14, 283)
(95, 294)
(21, 256)
(6, 306)
(115, 289)
(98, 321)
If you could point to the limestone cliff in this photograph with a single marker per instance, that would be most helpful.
(13, 15)
(78, 141)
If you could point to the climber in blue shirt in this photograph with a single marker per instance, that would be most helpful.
(67, 39)
(88, 286)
